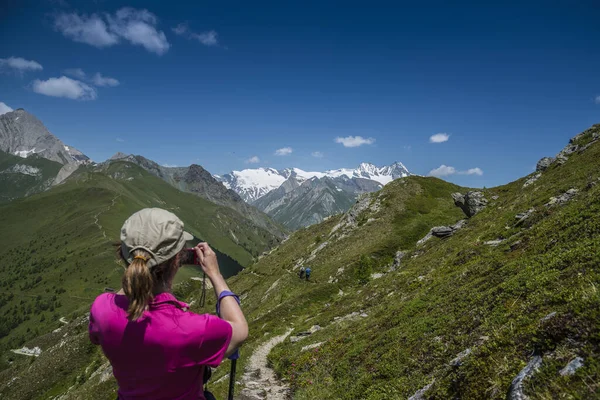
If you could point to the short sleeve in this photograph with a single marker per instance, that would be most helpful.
(215, 340)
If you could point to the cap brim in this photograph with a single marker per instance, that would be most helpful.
(188, 236)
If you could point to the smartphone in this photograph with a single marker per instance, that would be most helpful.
(189, 257)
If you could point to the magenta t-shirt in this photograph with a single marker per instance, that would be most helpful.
(162, 355)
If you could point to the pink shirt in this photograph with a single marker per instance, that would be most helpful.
(162, 355)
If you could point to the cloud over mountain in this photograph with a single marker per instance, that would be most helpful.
(64, 87)
(284, 151)
(446, 170)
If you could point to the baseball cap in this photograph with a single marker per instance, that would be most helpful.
(157, 231)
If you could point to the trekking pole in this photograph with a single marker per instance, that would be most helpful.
(233, 359)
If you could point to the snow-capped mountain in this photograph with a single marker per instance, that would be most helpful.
(252, 184)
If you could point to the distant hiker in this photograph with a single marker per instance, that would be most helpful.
(307, 272)
(158, 349)
(302, 272)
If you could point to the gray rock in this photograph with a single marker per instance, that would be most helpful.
(471, 203)
(543, 164)
(495, 197)
(314, 328)
(397, 260)
(572, 366)
(520, 217)
(64, 173)
(442, 231)
(420, 394)
(459, 225)
(569, 149)
(494, 243)
(532, 180)
(561, 159)
(515, 392)
(458, 360)
(425, 239)
(563, 198)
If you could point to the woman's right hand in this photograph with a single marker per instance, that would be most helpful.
(208, 259)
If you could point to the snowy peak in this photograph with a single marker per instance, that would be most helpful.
(252, 184)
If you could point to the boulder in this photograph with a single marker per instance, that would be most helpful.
(442, 231)
(397, 260)
(543, 164)
(471, 203)
(494, 243)
(420, 394)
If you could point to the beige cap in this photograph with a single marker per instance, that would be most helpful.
(155, 230)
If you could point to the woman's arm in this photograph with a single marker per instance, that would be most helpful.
(230, 310)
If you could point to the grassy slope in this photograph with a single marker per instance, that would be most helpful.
(447, 296)
(56, 259)
(17, 185)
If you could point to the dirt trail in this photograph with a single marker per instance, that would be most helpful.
(103, 211)
(259, 380)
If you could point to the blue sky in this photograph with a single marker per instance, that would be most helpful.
(218, 83)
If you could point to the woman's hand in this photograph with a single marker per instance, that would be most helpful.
(208, 260)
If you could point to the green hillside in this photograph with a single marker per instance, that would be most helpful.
(20, 177)
(58, 248)
(458, 317)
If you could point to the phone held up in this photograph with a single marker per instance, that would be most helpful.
(189, 257)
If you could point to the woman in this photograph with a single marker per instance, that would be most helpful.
(158, 349)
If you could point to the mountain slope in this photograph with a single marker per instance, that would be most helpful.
(20, 177)
(57, 247)
(452, 318)
(195, 179)
(22, 134)
(297, 205)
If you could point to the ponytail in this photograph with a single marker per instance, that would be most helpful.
(137, 284)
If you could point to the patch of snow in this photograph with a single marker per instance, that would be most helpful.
(25, 153)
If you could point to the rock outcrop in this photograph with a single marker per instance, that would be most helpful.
(563, 198)
(544, 163)
(515, 392)
(471, 203)
(572, 367)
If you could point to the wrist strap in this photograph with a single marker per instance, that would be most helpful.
(223, 294)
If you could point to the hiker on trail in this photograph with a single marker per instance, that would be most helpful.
(157, 347)
(307, 272)
(302, 272)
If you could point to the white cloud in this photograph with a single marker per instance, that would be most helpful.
(597, 100)
(64, 87)
(97, 79)
(4, 108)
(445, 170)
(253, 160)
(208, 38)
(120, 140)
(138, 27)
(442, 170)
(354, 141)
(472, 171)
(439, 138)
(83, 29)
(284, 151)
(19, 64)
(317, 154)
(100, 80)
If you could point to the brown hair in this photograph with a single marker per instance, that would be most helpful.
(139, 281)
